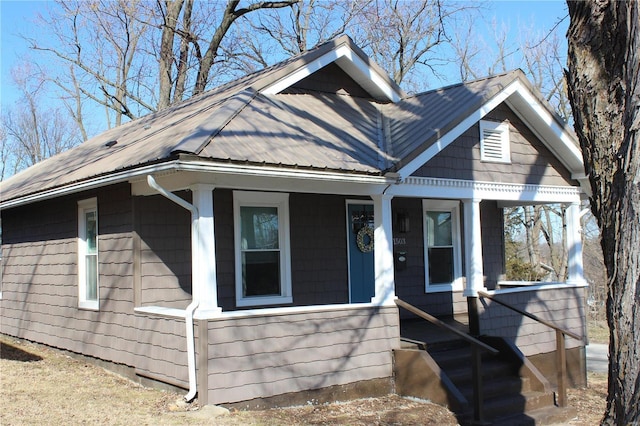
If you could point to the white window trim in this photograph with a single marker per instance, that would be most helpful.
(264, 199)
(452, 206)
(85, 206)
(503, 129)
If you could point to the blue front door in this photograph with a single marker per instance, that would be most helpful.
(360, 234)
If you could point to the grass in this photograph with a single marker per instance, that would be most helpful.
(598, 331)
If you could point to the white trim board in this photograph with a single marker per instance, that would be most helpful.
(423, 187)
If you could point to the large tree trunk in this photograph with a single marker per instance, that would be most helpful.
(603, 77)
(171, 10)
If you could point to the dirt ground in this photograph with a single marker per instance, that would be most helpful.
(39, 385)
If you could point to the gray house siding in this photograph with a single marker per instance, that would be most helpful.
(164, 229)
(40, 286)
(225, 254)
(318, 249)
(160, 348)
(531, 161)
(259, 357)
(564, 307)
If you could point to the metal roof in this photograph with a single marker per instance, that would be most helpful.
(238, 123)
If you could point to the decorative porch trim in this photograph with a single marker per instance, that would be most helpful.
(468, 189)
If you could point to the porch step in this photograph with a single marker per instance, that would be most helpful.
(509, 399)
(498, 387)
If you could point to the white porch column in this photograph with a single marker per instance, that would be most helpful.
(203, 250)
(473, 248)
(383, 251)
(574, 245)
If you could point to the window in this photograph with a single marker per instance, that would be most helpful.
(263, 274)
(442, 245)
(494, 142)
(88, 295)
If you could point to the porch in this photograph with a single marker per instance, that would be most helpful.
(440, 361)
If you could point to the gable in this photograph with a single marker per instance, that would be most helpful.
(329, 79)
(474, 100)
(343, 52)
(531, 162)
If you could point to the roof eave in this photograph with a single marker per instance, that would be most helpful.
(190, 163)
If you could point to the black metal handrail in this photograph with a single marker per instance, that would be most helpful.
(561, 355)
(475, 354)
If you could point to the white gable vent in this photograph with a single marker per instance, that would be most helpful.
(494, 142)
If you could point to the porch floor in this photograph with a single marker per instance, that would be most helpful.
(420, 330)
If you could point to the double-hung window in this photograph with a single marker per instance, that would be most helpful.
(88, 293)
(442, 245)
(261, 231)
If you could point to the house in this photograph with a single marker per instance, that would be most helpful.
(249, 244)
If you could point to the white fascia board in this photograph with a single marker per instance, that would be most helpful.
(255, 178)
(259, 171)
(564, 147)
(356, 68)
(457, 131)
(86, 185)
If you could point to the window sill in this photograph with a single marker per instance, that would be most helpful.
(443, 288)
(89, 305)
(263, 301)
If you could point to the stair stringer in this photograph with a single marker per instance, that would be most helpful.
(417, 374)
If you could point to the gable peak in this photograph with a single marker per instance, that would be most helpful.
(343, 52)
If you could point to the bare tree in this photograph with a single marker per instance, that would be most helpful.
(408, 37)
(207, 50)
(101, 39)
(135, 57)
(307, 24)
(4, 149)
(604, 90)
(540, 54)
(30, 131)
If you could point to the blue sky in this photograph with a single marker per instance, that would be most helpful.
(16, 17)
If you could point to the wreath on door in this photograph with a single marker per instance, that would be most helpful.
(365, 231)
